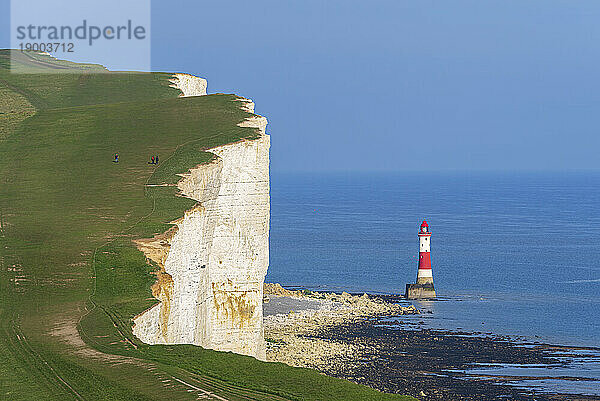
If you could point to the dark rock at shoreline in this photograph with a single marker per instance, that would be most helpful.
(365, 339)
(431, 364)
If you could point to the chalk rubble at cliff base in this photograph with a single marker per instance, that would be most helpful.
(292, 335)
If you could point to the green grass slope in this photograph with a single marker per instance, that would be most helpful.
(68, 268)
(14, 108)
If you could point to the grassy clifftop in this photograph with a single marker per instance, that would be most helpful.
(68, 269)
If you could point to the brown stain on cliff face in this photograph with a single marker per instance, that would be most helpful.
(235, 306)
(157, 250)
(162, 290)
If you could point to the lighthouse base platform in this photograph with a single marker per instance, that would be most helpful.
(420, 291)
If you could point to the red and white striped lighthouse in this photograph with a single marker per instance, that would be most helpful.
(423, 288)
(424, 275)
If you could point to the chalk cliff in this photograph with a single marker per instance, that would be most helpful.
(189, 85)
(214, 260)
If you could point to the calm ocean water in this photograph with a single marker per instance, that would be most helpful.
(515, 254)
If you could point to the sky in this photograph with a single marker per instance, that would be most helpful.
(398, 85)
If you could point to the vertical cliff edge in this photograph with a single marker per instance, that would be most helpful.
(214, 260)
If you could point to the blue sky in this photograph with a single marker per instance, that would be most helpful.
(399, 85)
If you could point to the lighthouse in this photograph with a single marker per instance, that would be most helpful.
(424, 285)
(424, 275)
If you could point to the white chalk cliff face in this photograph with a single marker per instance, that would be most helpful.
(189, 85)
(214, 260)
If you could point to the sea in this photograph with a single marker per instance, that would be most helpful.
(512, 253)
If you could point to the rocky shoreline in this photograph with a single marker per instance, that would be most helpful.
(293, 317)
(342, 335)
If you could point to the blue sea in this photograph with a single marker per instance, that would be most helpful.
(512, 253)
